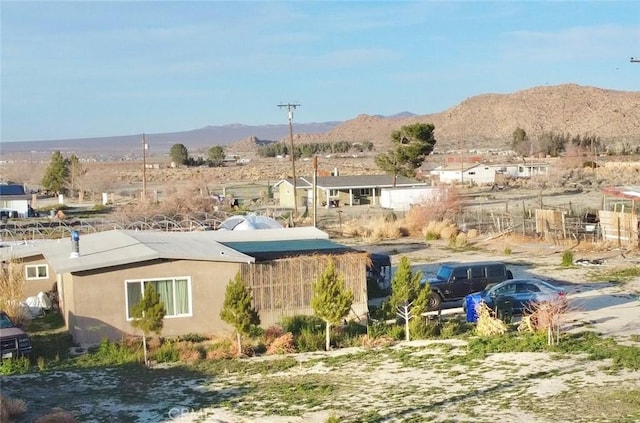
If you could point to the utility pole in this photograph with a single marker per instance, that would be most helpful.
(315, 191)
(291, 107)
(144, 168)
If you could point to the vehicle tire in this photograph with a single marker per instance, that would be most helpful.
(434, 301)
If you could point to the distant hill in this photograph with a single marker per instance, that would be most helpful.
(489, 120)
(480, 122)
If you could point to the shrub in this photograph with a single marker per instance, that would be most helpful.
(222, 348)
(12, 280)
(193, 337)
(296, 324)
(57, 415)
(454, 327)
(18, 365)
(310, 340)
(272, 333)
(567, 258)
(283, 344)
(507, 250)
(11, 407)
(108, 353)
(166, 353)
(459, 241)
(421, 328)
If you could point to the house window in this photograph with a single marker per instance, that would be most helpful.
(333, 193)
(175, 293)
(36, 271)
(365, 192)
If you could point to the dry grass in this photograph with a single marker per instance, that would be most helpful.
(488, 324)
(221, 348)
(11, 407)
(545, 317)
(284, 344)
(57, 415)
(12, 280)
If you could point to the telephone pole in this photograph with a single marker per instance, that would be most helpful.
(144, 168)
(291, 107)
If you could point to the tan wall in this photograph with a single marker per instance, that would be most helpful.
(34, 286)
(285, 193)
(98, 308)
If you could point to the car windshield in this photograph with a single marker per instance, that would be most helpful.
(5, 322)
(443, 273)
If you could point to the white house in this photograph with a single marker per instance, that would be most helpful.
(13, 200)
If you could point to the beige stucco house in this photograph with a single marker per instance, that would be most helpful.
(99, 286)
(38, 275)
(339, 190)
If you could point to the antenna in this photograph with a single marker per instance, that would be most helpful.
(291, 107)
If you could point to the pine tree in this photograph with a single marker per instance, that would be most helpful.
(237, 309)
(179, 154)
(406, 288)
(147, 316)
(55, 176)
(331, 300)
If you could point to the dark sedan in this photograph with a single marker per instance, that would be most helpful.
(518, 294)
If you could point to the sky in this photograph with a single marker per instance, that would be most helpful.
(80, 69)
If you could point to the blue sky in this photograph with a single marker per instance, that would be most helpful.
(88, 69)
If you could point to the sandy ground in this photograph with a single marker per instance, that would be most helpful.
(409, 382)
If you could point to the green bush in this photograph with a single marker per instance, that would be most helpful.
(167, 353)
(421, 328)
(455, 327)
(309, 340)
(296, 324)
(108, 353)
(567, 258)
(193, 337)
(17, 365)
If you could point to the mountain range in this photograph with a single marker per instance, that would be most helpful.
(480, 122)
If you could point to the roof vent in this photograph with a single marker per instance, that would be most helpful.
(75, 244)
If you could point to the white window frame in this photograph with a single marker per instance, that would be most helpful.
(334, 193)
(174, 279)
(36, 267)
(365, 192)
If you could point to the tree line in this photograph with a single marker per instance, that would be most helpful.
(311, 149)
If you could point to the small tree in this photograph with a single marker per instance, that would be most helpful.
(55, 176)
(331, 300)
(179, 154)
(237, 309)
(410, 146)
(406, 288)
(216, 155)
(147, 316)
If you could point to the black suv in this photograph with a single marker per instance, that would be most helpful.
(454, 281)
(13, 341)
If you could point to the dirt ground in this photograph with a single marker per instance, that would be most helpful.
(409, 382)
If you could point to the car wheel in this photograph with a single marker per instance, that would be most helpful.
(434, 301)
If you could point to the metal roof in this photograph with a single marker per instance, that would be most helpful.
(116, 248)
(21, 249)
(628, 192)
(267, 250)
(276, 234)
(354, 181)
(12, 189)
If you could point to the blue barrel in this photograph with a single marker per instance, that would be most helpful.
(471, 301)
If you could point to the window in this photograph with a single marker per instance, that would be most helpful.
(460, 273)
(495, 271)
(175, 293)
(334, 193)
(36, 271)
(365, 191)
(477, 272)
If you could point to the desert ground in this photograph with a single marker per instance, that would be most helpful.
(415, 381)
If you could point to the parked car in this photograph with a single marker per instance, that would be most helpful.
(518, 294)
(454, 281)
(14, 341)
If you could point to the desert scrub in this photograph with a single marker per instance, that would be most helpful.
(507, 250)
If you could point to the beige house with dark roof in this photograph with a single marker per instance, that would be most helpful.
(335, 191)
(99, 287)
